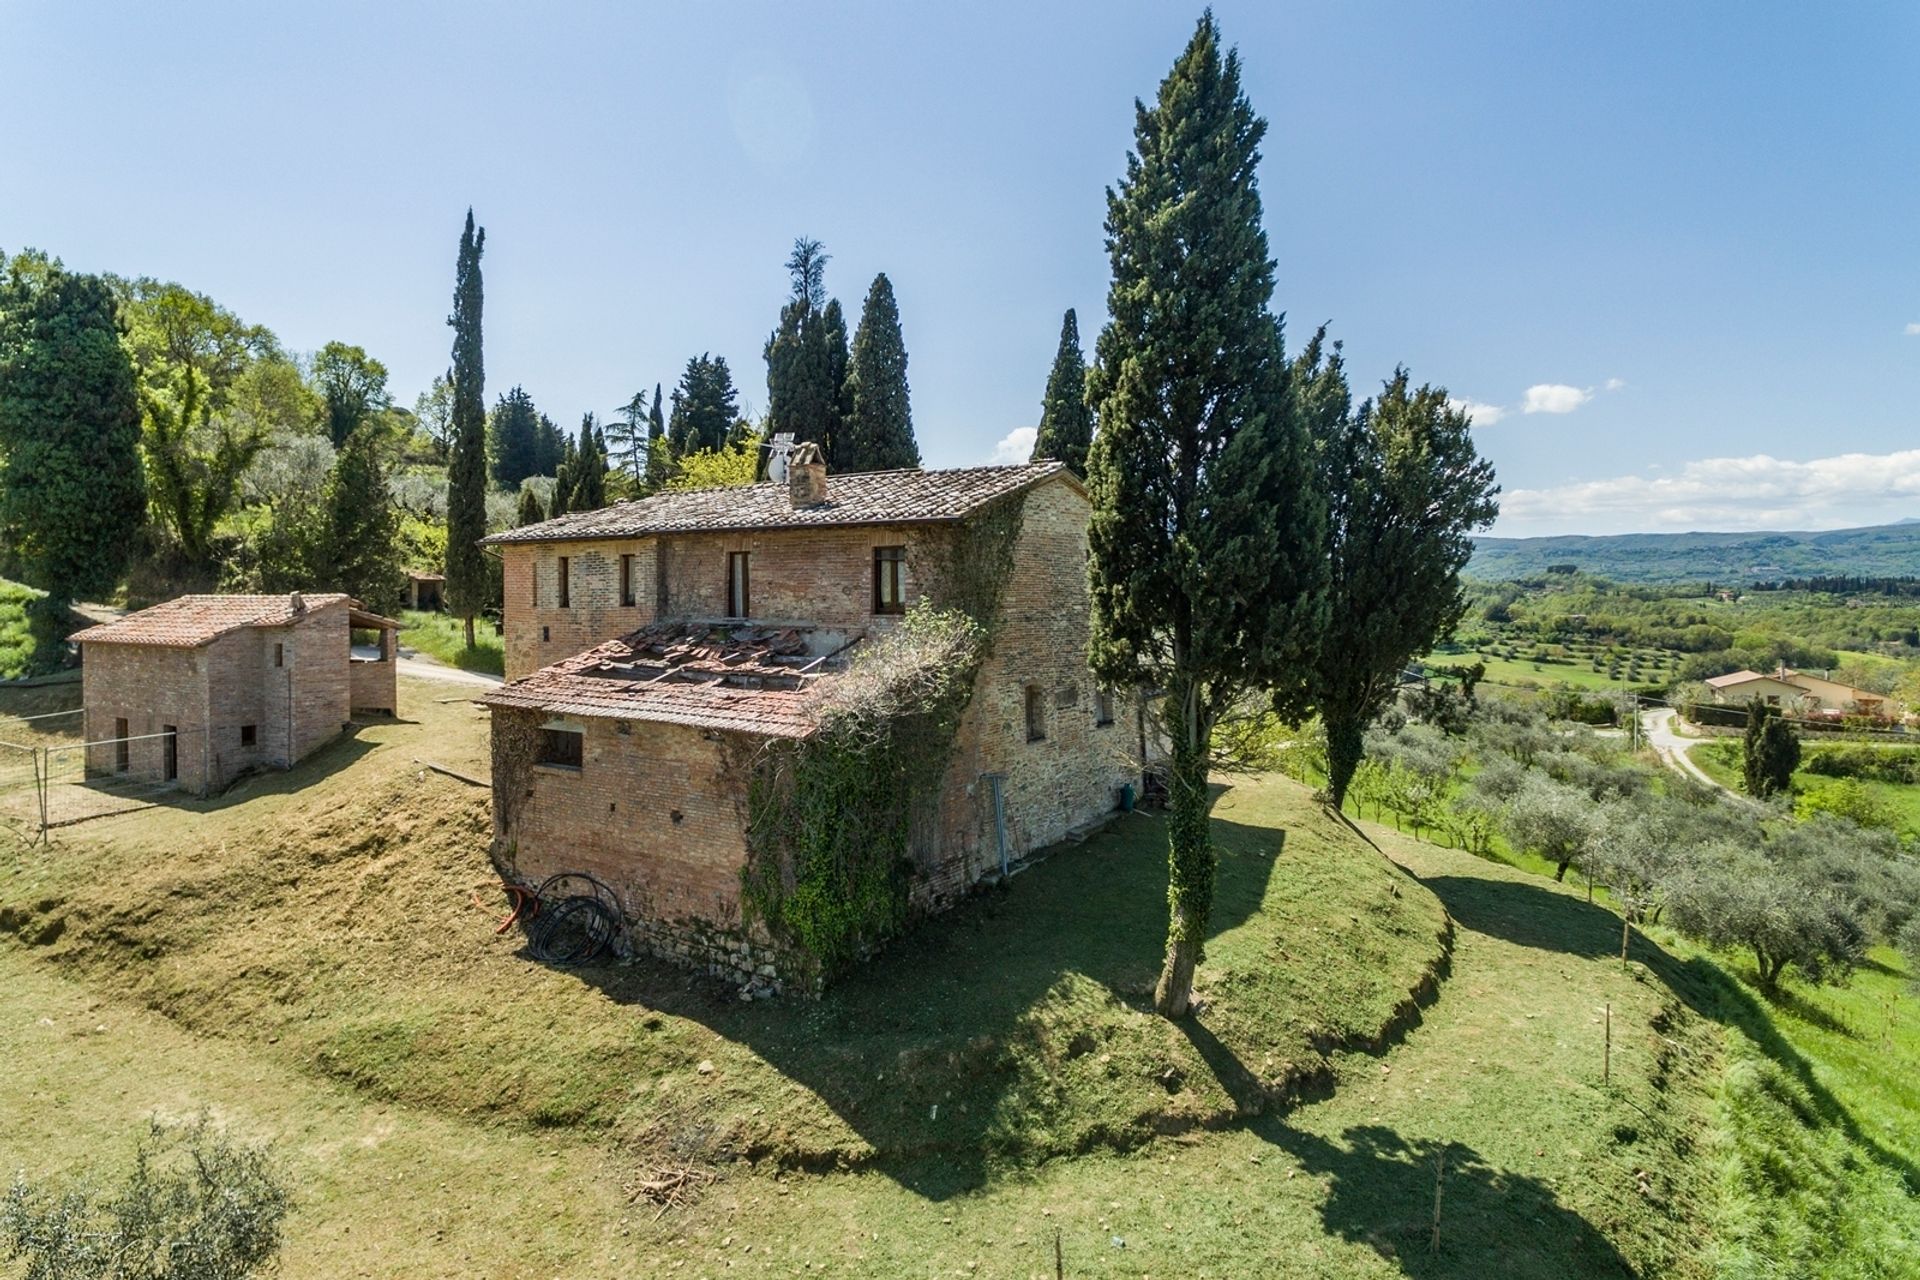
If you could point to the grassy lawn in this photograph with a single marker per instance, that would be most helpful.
(443, 638)
(305, 958)
(1720, 758)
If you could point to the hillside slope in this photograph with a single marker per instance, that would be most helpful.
(1881, 550)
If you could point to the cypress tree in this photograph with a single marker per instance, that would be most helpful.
(468, 581)
(705, 406)
(563, 478)
(589, 480)
(531, 512)
(550, 447)
(363, 526)
(656, 417)
(1205, 568)
(879, 426)
(659, 448)
(72, 491)
(1405, 490)
(515, 430)
(807, 355)
(1770, 752)
(1066, 419)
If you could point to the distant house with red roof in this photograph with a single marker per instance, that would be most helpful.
(655, 645)
(200, 689)
(1785, 687)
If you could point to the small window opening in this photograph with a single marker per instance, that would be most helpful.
(889, 579)
(626, 582)
(739, 602)
(1102, 705)
(279, 655)
(120, 747)
(249, 734)
(562, 747)
(566, 587)
(1036, 714)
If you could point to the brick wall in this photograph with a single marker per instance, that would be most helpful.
(150, 687)
(538, 631)
(373, 687)
(652, 812)
(1070, 777)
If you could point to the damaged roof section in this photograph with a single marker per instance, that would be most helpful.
(731, 677)
(909, 496)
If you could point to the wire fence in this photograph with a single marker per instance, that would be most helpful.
(61, 783)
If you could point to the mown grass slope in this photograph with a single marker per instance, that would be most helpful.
(329, 916)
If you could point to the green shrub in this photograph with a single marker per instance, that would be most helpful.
(196, 1207)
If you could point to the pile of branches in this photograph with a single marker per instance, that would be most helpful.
(671, 1188)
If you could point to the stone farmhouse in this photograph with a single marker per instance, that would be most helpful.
(654, 646)
(1809, 693)
(200, 689)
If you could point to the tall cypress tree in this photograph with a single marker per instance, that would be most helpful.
(879, 425)
(1066, 419)
(468, 582)
(588, 485)
(659, 449)
(1205, 571)
(1405, 491)
(72, 491)
(531, 512)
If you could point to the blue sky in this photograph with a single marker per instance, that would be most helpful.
(1689, 230)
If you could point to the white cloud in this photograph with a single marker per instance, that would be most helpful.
(1015, 446)
(1727, 494)
(1555, 397)
(1484, 415)
(1614, 384)
(1913, 327)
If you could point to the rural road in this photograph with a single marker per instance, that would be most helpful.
(410, 663)
(1671, 747)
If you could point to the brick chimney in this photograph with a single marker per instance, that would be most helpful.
(807, 476)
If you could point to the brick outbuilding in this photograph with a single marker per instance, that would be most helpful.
(652, 643)
(200, 689)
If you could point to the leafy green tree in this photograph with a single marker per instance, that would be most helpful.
(878, 434)
(1553, 820)
(1769, 752)
(433, 410)
(531, 510)
(1206, 574)
(72, 493)
(363, 555)
(353, 388)
(514, 432)
(807, 356)
(1066, 419)
(705, 406)
(1737, 896)
(1405, 490)
(208, 405)
(469, 583)
(731, 464)
(196, 1206)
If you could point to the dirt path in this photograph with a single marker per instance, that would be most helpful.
(1671, 747)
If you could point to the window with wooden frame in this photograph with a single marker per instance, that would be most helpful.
(1036, 714)
(562, 748)
(565, 588)
(739, 592)
(626, 582)
(889, 579)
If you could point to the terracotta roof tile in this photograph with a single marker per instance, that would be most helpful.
(911, 496)
(741, 679)
(191, 621)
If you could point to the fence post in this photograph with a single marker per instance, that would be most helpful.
(42, 769)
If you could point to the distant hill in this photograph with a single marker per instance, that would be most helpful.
(1887, 550)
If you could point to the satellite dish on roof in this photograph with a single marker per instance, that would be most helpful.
(779, 449)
